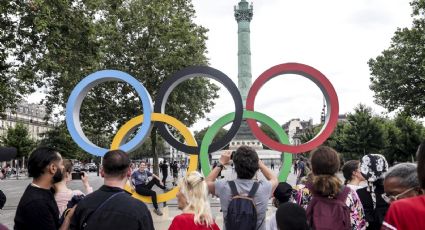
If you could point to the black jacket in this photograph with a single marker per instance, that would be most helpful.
(120, 212)
(376, 216)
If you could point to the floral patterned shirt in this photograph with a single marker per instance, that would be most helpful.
(302, 196)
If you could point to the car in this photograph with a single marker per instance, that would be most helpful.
(77, 168)
(85, 168)
(91, 167)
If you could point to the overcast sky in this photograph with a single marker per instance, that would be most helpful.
(336, 37)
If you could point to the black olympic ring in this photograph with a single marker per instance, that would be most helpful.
(198, 71)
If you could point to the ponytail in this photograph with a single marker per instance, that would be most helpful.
(326, 185)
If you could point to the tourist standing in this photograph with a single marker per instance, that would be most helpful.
(175, 170)
(400, 182)
(192, 199)
(37, 208)
(111, 207)
(183, 168)
(324, 193)
(148, 165)
(164, 170)
(291, 216)
(281, 195)
(246, 163)
(409, 213)
(62, 193)
(373, 168)
(352, 174)
(301, 170)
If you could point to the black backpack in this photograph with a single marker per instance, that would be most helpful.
(241, 212)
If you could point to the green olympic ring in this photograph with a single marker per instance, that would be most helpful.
(226, 119)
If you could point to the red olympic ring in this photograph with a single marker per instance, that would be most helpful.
(321, 81)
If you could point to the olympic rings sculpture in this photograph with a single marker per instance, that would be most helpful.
(156, 115)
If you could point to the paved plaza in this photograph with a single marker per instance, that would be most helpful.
(14, 189)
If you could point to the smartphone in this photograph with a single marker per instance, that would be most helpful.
(76, 175)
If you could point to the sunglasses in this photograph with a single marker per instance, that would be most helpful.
(390, 199)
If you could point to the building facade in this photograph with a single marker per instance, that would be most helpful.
(30, 115)
(295, 128)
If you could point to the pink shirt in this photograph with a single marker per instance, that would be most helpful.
(62, 198)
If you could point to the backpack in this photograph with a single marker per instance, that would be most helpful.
(241, 212)
(329, 214)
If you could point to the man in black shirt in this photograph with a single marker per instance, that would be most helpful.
(111, 207)
(37, 208)
(175, 169)
(164, 170)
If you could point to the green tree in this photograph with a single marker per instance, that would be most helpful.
(15, 36)
(145, 151)
(364, 133)
(19, 138)
(398, 74)
(392, 136)
(412, 133)
(58, 138)
(335, 141)
(150, 40)
(269, 132)
(403, 135)
(199, 135)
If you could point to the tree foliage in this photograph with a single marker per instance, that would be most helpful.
(59, 138)
(398, 74)
(269, 132)
(19, 138)
(363, 134)
(403, 136)
(150, 40)
(199, 135)
(16, 35)
(335, 141)
(145, 151)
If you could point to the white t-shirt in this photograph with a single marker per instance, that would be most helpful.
(354, 187)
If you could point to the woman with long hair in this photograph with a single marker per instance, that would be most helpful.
(193, 201)
(352, 174)
(327, 190)
(62, 193)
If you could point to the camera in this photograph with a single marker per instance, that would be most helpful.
(76, 175)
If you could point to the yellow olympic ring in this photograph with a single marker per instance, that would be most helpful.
(190, 140)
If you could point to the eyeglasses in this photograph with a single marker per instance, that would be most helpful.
(390, 199)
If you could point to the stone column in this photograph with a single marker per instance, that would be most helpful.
(243, 15)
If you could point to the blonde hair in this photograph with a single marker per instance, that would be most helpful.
(195, 190)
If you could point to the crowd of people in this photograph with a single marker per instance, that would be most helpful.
(372, 196)
(9, 171)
